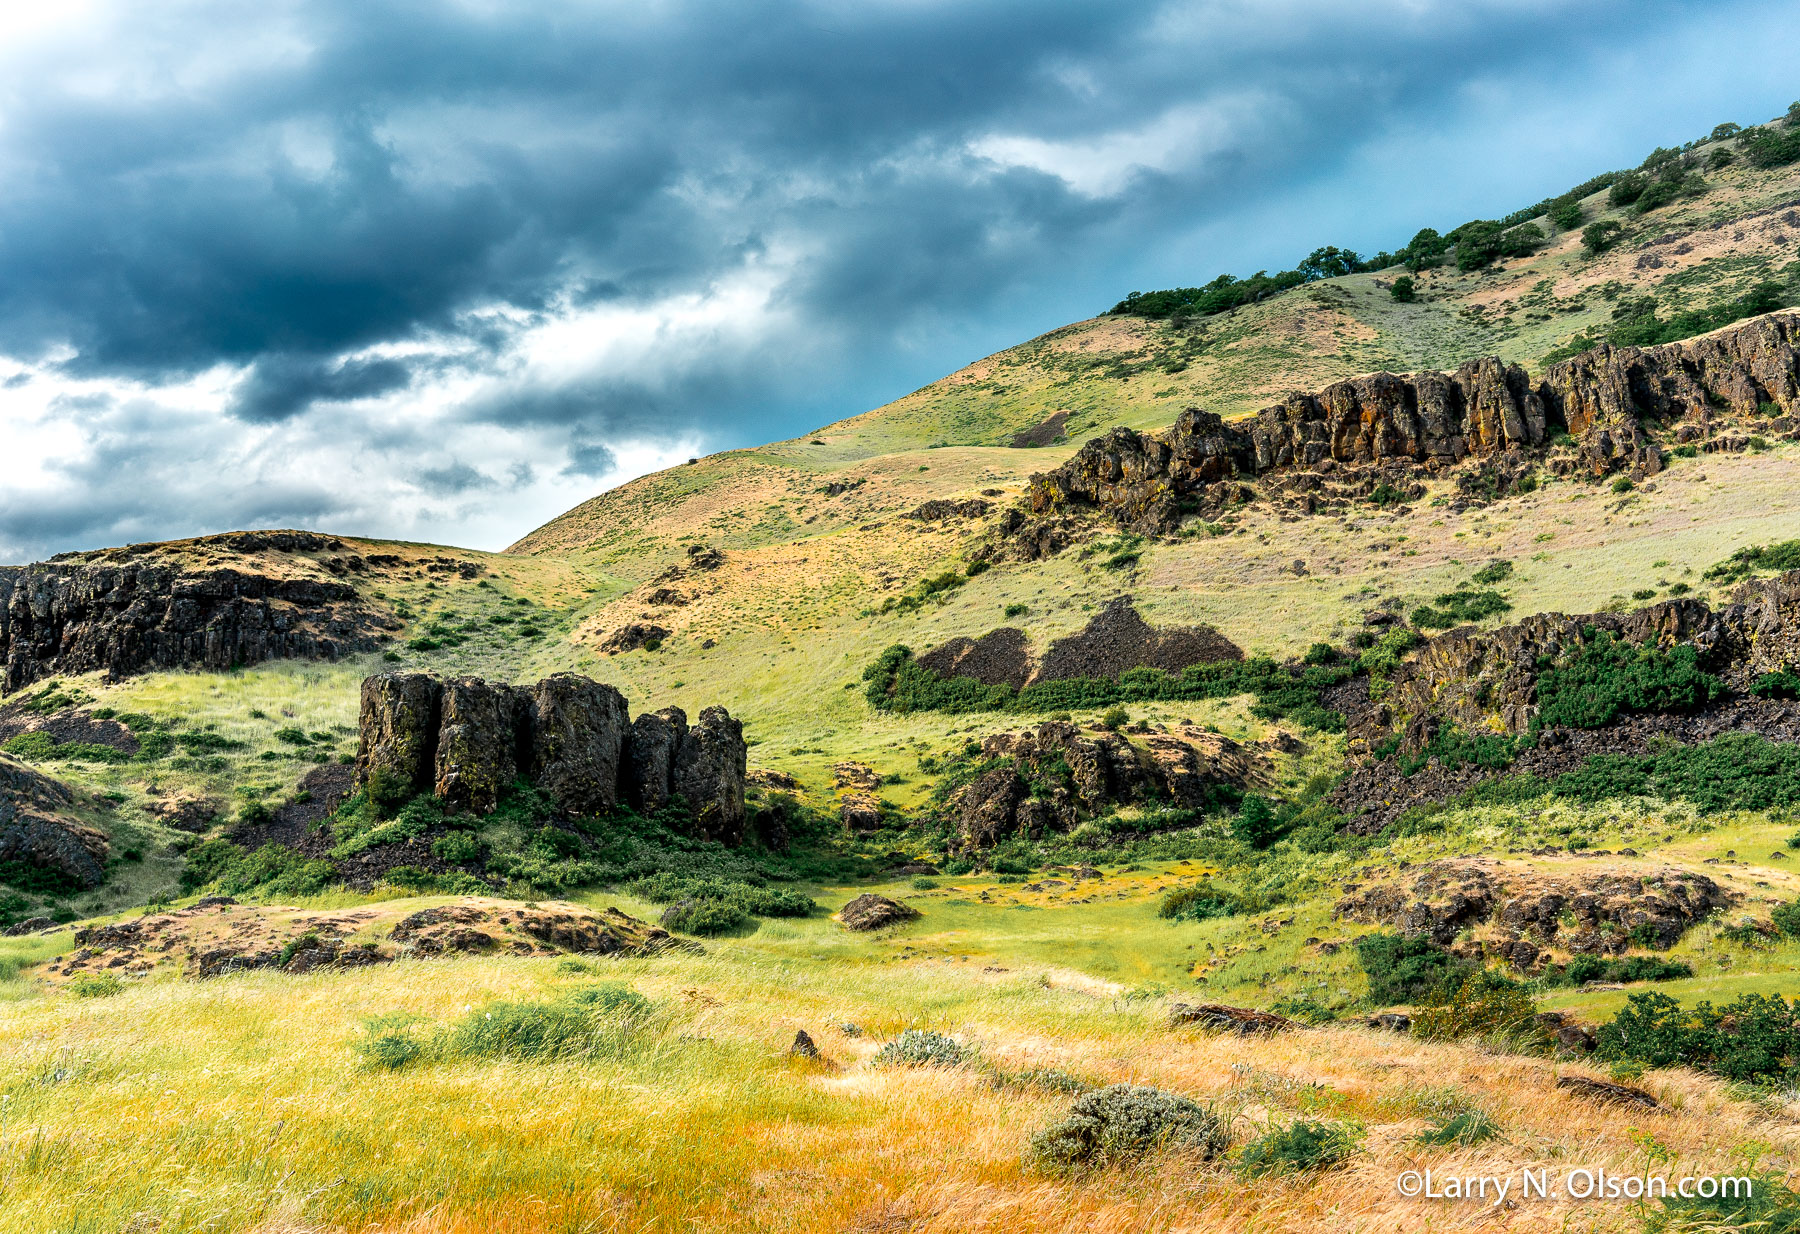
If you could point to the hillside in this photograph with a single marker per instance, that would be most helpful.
(815, 836)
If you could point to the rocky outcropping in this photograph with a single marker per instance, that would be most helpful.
(1057, 774)
(1384, 429)
(1486, 681)
(467, 740)
(39, 837)
(1522, 909)
(65, 617)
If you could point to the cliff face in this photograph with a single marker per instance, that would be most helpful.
(468, 740)
(76, 617)
(1486, 681)
(38, 835)
(1388, 428)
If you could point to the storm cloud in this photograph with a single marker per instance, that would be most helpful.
(441, 270)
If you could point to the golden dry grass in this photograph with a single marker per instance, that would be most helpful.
(238, 1105)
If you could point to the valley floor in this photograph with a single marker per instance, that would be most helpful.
(242, 1102)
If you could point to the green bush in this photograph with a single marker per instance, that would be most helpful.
(95, 985)
(584, 1022)
(897, 683)
(921, 1047)
(1755, 1038)
(274, 869)
(1786, 918)
(1596, 238)
(1204, 900)
(1257, 823)
(1585, 968)
(1738, 771)
(456, 848)
(1460, 1130)
(1607, 677)
(1124, 1123)
(1405, 970)
(1475, 1002)
(1299, 1147)
(1404, 290)
(1755, 559)
(1115, 718)
(707, 918)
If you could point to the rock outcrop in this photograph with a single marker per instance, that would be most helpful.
(39, 837)
(1057, 774)
(1522, 909)
(1486, 680)
(66, 617)
(468, 740)
(1385, 429)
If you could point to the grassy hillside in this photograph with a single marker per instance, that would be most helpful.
(380, 1098)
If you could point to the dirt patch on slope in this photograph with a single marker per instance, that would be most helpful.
(1118, 639)
(1042, 434)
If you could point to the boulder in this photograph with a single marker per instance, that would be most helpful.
(477, 757)
(1607, 1093)
(709, 774)
(1244, 1021)
(577, 742)
(398, 729)
(872, 912)
(650, 755)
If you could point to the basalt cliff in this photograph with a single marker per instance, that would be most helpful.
(123, 614)
(1379, 435)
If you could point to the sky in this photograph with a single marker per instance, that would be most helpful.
(440, 271)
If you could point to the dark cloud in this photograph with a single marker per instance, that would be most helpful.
(588, 232)
(452, 480)
(591, 461)
(283, 385)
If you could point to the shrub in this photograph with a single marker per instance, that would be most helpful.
(1747, 561)
(1256, 823)
(1596, 238)
(1404, 289)
(1567, 216)
(1015, 610)
(668, 888)
(1205, 900)
(1404, 970)
(586, 1021)
(924, 884)
(456, 848)
(1754, 1038)
(1607, 677)
(1585, 968)
(921, 1047)
(1115, 718)
(1299, 1147)
(95, 985)
(1123, 1123)
(1475, 1001)
(707, 918)
(1460, 1130)
(1738, 771)
(1786, 918)
(275, 869)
